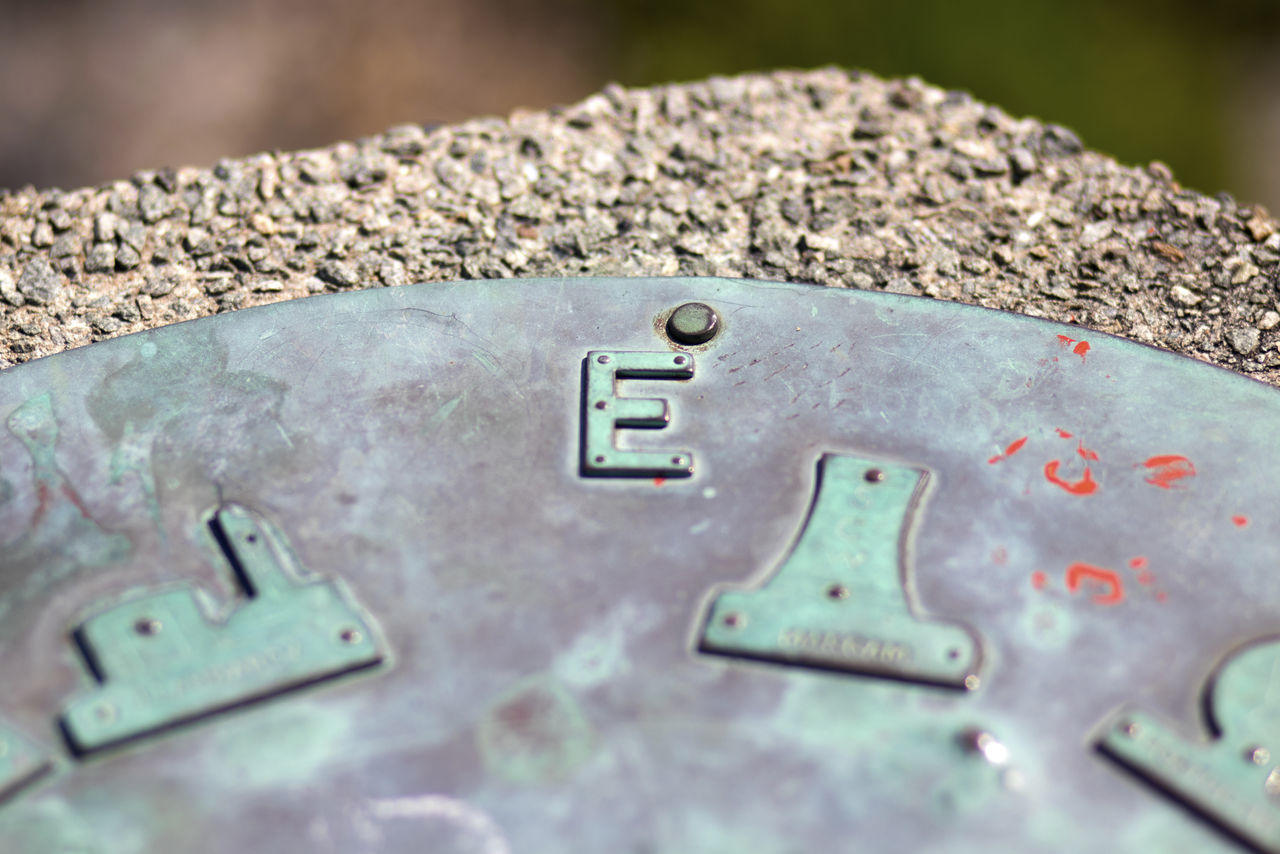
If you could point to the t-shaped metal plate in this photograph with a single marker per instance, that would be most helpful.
(558, 566)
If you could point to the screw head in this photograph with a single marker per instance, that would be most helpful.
(693, 323)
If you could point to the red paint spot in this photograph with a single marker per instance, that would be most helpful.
(999, 556)
(1138, 563)
(1039, 580)
(1240, 521)
(658, 481)
(1080, 572)
(1086, 453)
(1168, 469)
(1145, 577)
(1063, 433)
(1014, 447)
(1080, 348)
(1084, 486)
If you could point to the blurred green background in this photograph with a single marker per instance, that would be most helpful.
(91, 91)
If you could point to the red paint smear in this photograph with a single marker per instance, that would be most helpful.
(658, 481)
(1063, 433)
(1138, 563)
(1078, 572)
(1086, 453)
(75, 499)
(42, 503)
(1066, 340)
(999, 556)
(1081, 349)
(1014, 447)
(1039, 580)
(1240, 521)
(1084, 486)
(1145, 577)
(1167, 469)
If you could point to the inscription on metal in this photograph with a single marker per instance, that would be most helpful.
(840, 599)
(1234, 778)
(604, 412)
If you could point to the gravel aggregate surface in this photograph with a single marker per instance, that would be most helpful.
(829, 177)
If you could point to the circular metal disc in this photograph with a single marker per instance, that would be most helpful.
(413, 569)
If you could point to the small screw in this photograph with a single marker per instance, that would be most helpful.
(1258, 755)
(693, 323)
(252, 538)
(350, 636)
(599, 459)
(604, 360)
(147, 626)
(600, 404)
(837, 591)
(680, 360)
(677, 461)
(873, 476)
(1130, 729)
(971, 683)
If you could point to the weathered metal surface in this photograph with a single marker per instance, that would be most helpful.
(1098, 516)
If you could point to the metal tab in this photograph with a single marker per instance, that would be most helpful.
(1234, 779)
(162, 660)
(604, 412)
(22, 762)
(840, 600)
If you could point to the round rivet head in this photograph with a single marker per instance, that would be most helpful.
(693, 323)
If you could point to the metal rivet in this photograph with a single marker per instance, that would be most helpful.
(600, 459)
(604, 360)
(350, 636)
(1258, 755)
(873, 476)
(1129, 728)
(693, 323)
(147, 626)
(971, 683)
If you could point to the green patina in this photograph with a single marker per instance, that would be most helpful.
(840, 598)
(22, 761)
(604, 412)
(162, 660)
(1236, 777)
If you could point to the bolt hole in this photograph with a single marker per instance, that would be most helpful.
(600, 459)
(953, 653)
(349, 636)
(837, 591)
(252, 538)
(604, 360)
(873, 476)
(147, 627)
(733, 620)
(677, 461)
(680, 360)
(600, 404)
